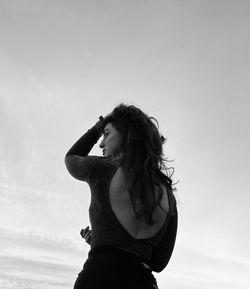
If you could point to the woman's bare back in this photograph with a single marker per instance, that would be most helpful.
(123, 209)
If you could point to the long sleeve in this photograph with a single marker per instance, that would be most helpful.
(77, 161)
(163, 251)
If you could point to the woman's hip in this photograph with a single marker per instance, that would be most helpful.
(114, 269)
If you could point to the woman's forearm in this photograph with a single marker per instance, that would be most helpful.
(85, 143)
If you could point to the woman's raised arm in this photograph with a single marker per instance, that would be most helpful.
(77, 161)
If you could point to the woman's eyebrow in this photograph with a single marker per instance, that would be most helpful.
(106, 129)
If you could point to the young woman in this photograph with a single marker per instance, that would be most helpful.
(133, 212)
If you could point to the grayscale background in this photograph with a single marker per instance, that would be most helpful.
(65, 63)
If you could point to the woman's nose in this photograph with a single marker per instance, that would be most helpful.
(101, 145)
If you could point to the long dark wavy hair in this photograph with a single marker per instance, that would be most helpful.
(142, 158)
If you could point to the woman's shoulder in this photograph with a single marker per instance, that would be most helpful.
(102, 166)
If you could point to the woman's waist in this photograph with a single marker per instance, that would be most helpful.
(142, 260)
(119, 253)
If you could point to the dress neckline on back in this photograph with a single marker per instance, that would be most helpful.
(116, 219)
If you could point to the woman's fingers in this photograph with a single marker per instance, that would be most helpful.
(86, 233)
(84, 230)
(87, 236)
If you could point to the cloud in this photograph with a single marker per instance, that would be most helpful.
(21, 272)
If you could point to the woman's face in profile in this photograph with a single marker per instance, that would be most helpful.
(111, 142)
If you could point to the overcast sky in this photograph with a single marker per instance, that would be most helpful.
(65, 63)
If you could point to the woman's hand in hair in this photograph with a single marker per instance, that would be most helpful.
(86, 234)
(101, 123)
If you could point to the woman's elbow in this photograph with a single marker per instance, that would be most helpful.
(69, 163)
(158, 266)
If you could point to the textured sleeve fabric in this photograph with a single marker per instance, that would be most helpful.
(77, 161)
